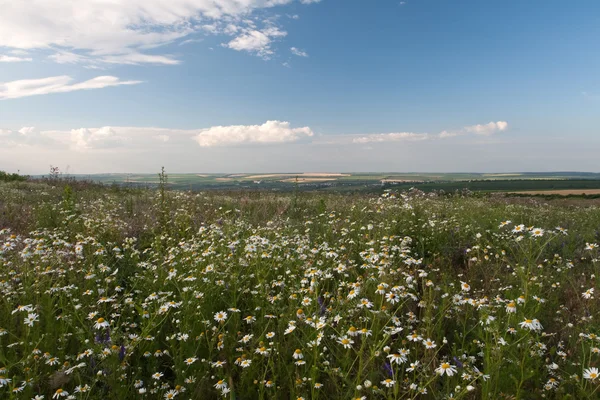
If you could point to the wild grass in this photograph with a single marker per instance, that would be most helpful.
(110, 293)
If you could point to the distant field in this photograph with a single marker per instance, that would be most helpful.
(576, 182)
(564, 192)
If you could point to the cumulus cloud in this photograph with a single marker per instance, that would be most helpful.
(300, 53)
(25, 136)
(487, 129)
(391, 137)
(10, 59)
(102, 138)
(56, 84)
(147, 138)
(123, 31)
(270, 132)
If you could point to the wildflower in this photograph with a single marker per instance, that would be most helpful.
(588, 294)
(298, 354)
(4, 381)
(30, 319)
(591, 374)
(531, 324)
(537, 232)
(220, 316)
(60, 393)
(101, 323)
(511, 307)
(345, 341)
(220, 384)
(397, 358)
(446, 368)
(245, 363)
(465, 287)
(157, 375)
(429, 344)
(191, 360)
(388, 382)
(518, 228)
(171, 394)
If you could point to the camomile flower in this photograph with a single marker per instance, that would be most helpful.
(446, 368)
(464, 286)
(591, 374)
(388, 383)
(60, 393)
(220, 384)
(101, 323)
(588, 294)
(220, 316)
(245, 363)
(191, 360)
(345, 341)
(531, 324)
(518, 228)
(298, 354)
(511, 307)
(429, 344)
(537, 232)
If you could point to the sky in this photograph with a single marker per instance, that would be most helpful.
(224, 86)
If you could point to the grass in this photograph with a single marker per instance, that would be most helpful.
(112, 292)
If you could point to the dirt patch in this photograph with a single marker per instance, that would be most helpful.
(308, 180)
(307, 174)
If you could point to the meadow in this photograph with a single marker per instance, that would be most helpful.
(125, 293)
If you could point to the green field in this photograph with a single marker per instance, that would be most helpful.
(109, 292)
(369, 182)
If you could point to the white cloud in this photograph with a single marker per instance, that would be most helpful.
(256, 42)
(55, 84)
(123, 30)
(300, 53)
(26, 136)
(7, 59)
(102, 138)
(270, 132)
(309, 1)
(391, 137)
(487, 129)
(147, 138)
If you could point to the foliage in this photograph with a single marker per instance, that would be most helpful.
(8, 177)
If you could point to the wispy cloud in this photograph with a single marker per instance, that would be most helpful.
(487, 129)
(11, 59)
(391, 137)
(124, 30)
(56, 84)
(300, 53)
(482, 129)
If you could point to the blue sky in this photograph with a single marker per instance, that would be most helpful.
(347, 85)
